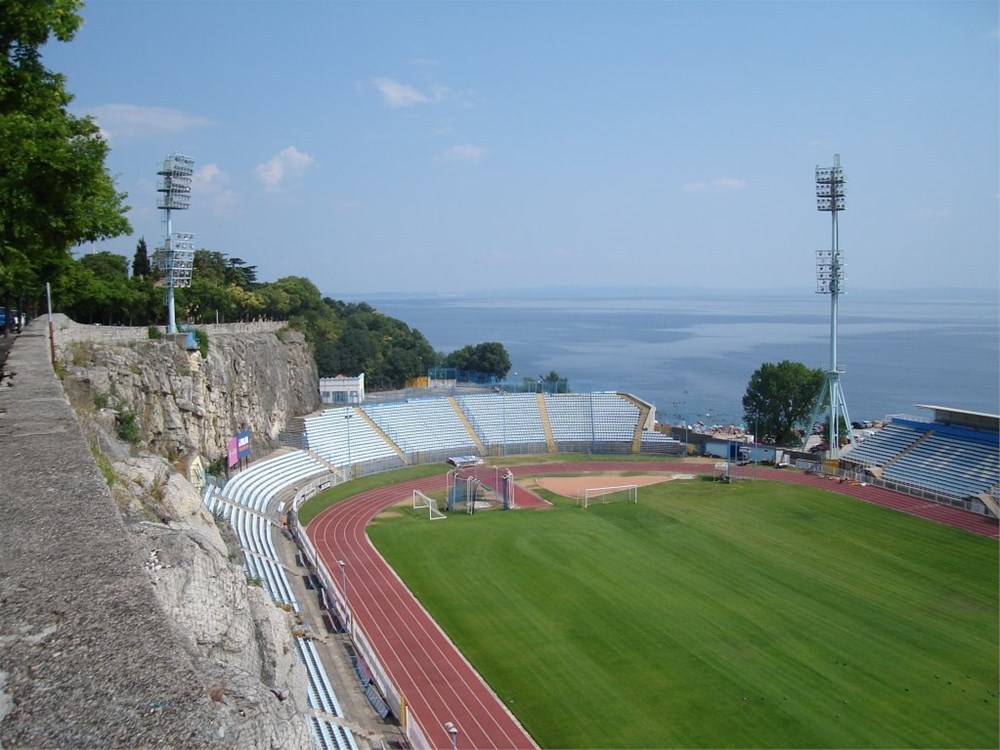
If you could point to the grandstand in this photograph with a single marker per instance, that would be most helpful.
(250, 502)
(374, 437)
(953, 458)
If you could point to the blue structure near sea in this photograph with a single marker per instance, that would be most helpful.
(691, 352)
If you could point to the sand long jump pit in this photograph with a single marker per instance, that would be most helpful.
(573, 487)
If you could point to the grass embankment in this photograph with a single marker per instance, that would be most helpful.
(709, 615)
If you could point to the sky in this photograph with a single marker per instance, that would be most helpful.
(456, 147)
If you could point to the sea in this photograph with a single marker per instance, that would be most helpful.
(691, 352)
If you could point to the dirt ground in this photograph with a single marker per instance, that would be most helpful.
(573, 487)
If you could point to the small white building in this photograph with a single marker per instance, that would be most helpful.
(342, 390)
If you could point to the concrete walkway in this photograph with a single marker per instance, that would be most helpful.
(87, 658)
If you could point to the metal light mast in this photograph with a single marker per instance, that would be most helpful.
(175, 257)
(830, 196)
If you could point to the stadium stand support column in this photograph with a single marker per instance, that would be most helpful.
(333, 469)
(543, 412)
(468, 425)
(640, 424)
(388, 440)
(990, 502)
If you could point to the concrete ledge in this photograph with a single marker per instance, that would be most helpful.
(87, 657)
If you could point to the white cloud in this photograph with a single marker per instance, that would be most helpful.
(289, 162)
(211, 183)
(209, 179)
(135, 121)
(718, 185)
(466, 152)
(398, 95)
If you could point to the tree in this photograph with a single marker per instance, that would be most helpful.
(490, 358)
(105, 265)
(55, 191)
(140, 263)
(780, 397)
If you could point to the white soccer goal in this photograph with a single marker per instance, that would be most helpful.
(420, 500)
(628, 493)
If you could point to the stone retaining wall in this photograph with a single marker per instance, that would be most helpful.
(87, 655)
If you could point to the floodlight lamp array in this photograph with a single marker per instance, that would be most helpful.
(175, 182)
(829, 272)
(175, 260)
(830, 191)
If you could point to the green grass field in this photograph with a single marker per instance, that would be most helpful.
(723, 616)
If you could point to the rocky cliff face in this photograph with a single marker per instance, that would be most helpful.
(182, 401)
(239, 642)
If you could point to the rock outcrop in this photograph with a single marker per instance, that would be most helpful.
(252, 379)
(238, 639)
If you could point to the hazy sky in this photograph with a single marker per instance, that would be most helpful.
(456, 146)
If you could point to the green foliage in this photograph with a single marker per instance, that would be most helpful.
(101, 400)
(490, 358)
(218, 467)
(140, 263)
(104, 466)
(757, 615)
(55, 191)
(780, 397)
(128, 427)
(154, 333)
(201, 336)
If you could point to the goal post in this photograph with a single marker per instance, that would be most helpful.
(627, 493)
(420, 501)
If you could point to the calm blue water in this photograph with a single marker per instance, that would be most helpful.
(693, 353)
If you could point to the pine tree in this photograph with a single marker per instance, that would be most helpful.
(140, 264)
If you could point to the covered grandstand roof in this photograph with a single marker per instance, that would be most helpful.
(962, 418)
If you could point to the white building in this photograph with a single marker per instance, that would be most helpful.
(342, 390)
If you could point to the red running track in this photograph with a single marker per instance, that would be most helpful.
(438, 683)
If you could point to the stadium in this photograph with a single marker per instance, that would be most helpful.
(435, 458)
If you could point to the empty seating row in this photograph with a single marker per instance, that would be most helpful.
(343, 437)
(884, 445)
(948, 466)
(597, 417)
(421, 425)
(504, 418)
(246, 501)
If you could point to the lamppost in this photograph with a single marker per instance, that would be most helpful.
(343, 586)
(350, 462)
(453, 733)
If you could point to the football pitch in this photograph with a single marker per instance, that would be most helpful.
(717, 616)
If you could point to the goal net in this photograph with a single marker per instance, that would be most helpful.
(628, 493)
(420, 500)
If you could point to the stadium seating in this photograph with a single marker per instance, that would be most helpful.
(579, 419)
(504, 418)
(884, 445)
(952, 462)
(422, 426)
(343, 437)
(247, 501)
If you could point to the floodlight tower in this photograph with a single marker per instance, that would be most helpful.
(831, 196)
(175, 257)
